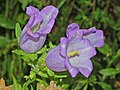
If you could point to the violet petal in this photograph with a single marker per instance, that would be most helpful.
(84, 48)
(55, 61)
(72, 30)
(86, 67)
(30, 40)
(48, 14)
(89, 31)
(72, 70)
(31, 10)
(63, 46)
(97, 38)
(30, 46)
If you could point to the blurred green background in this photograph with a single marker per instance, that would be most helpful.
(102, 14)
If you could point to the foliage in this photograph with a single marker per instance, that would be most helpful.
(28, 71)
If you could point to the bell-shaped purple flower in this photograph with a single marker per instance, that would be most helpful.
(39, 25)
(75, 50)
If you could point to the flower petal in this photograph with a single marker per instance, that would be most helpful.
(47, 29)
(86, 51)
(63, 46)
(31, 21)
(83, 64)
(96, 39)
(50, 10)
(89, 31)
(38, 19)
(31, 10)
(84, 47)
(72, 70)
(55, 61)
(72, 30)
(48, 14)
(86, 67)
(29, 44)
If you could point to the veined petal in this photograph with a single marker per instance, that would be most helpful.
(83, 64)
(89, 31)
(38, 19)
(72, 70)
(47, 29)
(85, 67)
(96, 39)
(48, 14)
(82, 61)
(55, 61)
(84, 47)
(72, 30)
(50, 10)
(31, 45)
(31, 10)
(86, 51)
(63, 46)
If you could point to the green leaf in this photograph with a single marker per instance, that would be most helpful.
(16, 86)
(25, 85)
(18, 52)
(105, 86)
(85, 87)
(114, 58)
(50, 73)
(60, 76)
(105, 49)
(109, 71)
(18, 31)
(32, 74)
(42, 74)
(51, 45)
(4, 41)
(92, 78)
(32, 56)
(6, 22)
(42, 50)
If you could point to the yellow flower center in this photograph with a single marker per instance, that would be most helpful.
(74, 53)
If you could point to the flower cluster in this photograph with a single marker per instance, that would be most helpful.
(39, 25)
(75, 50)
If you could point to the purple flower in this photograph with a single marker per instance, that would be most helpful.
(75, 50)
(39, 25)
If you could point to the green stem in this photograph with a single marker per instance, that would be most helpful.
(6, 8)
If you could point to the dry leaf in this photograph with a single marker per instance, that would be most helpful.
(3, 87)
(117, 84)
(52, 86)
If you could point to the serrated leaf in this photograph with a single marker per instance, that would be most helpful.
(109, 71)
(18, 31)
